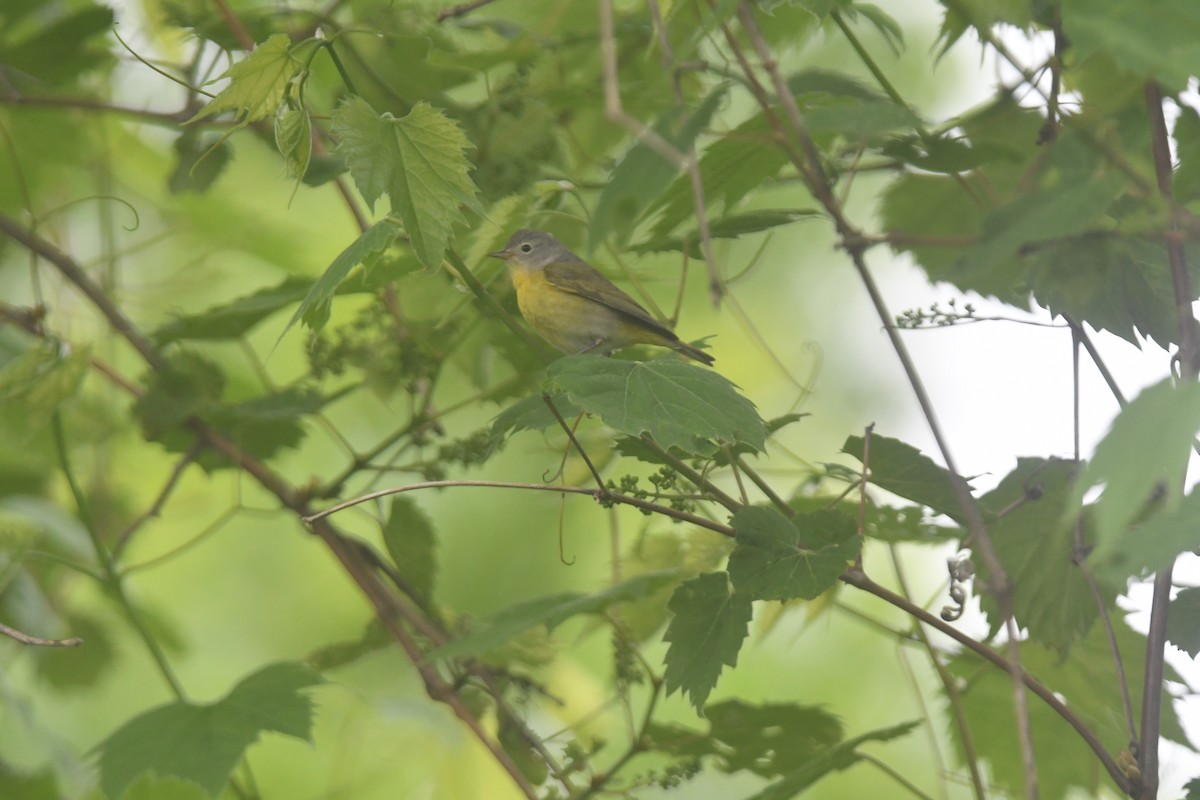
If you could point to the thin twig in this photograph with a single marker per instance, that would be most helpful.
(156, 507)
(462, 9)
(607, 496)
(575, 441)
(25, 638)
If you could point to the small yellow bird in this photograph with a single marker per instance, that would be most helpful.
(574, 307)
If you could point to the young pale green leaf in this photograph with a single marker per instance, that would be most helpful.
(419, 161)
(678, 405)
(904, 471)
(705, 635)
(203, 743)
(256, 83)
(777, 558)
(293, 138)
(768, 740)
(412, 543)
(1050, 593)
(1157, 41)
(36, 383)
(1183, 624)
(834, 759)
(314, 308)
(644, 172)
(1144, 451)
(551, 611)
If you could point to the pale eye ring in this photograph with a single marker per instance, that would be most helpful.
(527, 248)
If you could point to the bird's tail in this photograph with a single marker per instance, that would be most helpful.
(692, 352)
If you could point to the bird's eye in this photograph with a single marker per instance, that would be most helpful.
(527, 248)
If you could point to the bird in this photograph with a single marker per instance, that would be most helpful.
(575, 308)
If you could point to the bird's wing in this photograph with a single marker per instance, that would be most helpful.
(582, 279)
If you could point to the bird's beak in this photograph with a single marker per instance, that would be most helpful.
(499, 254)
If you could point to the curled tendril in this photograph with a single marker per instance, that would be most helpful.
(137, 219)
(961, 570)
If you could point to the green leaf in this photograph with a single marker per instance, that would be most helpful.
(235, 318)
(62, 46)
(518, 747)
(1183, 623)
(781, 559)
(203, 743)
(419, 160)
(39, 785)
(730, 168)
(678, 405)
(531, 414)
(315, 307)
(412, 543)
(1144, 451)
(1152, 543)
(1159, 41)
(834, 759)
(1049, 214)
(906, 524)
(257, 83)
(1186, 184)
(643, 172)
(264, 425)
(39, 381)
(551, 611)
(768, 740)
(189, 385)
(731, 226)
(705, 635)
(904, 471)
(375, 637)
(1086, 681)
(1122, 286)
(1050, 593)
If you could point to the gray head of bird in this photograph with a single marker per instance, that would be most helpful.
(534, 250)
